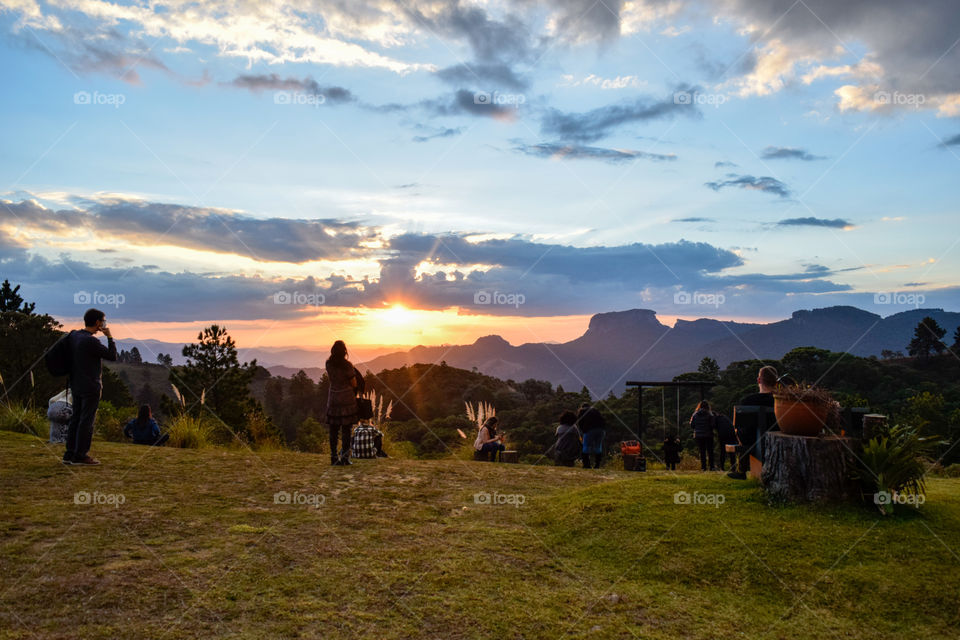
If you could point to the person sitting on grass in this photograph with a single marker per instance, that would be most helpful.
(703, 423)
(367, 442)
(489, 441)
(671, 452)
(144, 429)
(566, 449)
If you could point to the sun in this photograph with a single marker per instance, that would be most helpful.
(398, 315)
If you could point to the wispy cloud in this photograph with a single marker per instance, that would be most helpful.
(837, 223)
(789, 153)
(557, 151)
(762, 183)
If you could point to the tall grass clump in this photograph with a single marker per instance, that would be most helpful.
(23, 419)
(189, 432)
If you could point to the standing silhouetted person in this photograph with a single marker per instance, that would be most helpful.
(86, 354)
(703, 424)
(593, 427)
(345, 384)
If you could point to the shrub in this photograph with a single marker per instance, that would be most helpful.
(20, 419)
(111, 420)
(189, 432)
(892, 465)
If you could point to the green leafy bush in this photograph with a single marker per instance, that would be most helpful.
(892, 468)
(190, 432)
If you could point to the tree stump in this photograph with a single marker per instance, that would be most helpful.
(808, 469)
(509, 456)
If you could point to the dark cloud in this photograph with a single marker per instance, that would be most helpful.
(484, 76)
(205, 229)
(473, 103)
(601, 122)
(273, 82)
(434, 133)
(693, 220)
(952, 141)
(838, 223)
(762, 183)
(580, 152)
(788, 153)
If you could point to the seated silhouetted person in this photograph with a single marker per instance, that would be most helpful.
(144, 429)
(566, 450)
(766, 384)
(367, 442)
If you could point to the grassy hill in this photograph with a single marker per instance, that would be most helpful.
(198, 547)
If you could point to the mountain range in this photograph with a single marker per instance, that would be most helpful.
(635, 345)
(624, 345)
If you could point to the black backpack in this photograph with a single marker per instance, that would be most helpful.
(59, 358)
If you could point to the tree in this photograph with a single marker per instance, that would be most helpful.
(165, 359)
(956, 342)
(709, 370)
(24, 338)
(214, 373)
(927, 337)
(10, 299)
(135, 356)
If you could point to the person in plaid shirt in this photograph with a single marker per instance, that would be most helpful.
(367, 442)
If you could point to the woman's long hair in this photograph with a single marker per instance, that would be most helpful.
(491, 425)
(144, 415)
(338, 355)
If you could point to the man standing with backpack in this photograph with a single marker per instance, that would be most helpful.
(85, 353)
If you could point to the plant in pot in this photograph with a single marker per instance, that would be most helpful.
(804, 410)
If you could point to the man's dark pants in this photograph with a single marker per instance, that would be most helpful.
(80, 431)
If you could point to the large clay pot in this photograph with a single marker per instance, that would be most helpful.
(800, 418)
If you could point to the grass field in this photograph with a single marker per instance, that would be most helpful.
(194, 544)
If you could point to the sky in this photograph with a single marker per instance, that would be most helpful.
(401, 173)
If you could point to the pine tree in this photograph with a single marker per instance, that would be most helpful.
(927, 337)
(709, 370)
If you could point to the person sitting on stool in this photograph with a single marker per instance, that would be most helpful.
(488, 441)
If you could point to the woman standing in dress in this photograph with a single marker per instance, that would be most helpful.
(345, 384)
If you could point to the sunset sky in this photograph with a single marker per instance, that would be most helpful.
(399, 173)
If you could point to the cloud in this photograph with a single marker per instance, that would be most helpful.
(473, 103)
(695, 219)
(485, 76)
(762, 183)
(201, 228)
(273, 82)
(601, 122)
(788, 153)
(837, 223)
(724, 163)
(950, 142)
(434, 133)
(557, 151)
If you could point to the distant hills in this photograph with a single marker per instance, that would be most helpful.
(623, 345)
(634, 344)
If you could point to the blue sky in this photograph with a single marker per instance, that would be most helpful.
(196, 159)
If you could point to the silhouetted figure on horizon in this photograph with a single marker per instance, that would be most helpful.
(346, 383)
(86, 385)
